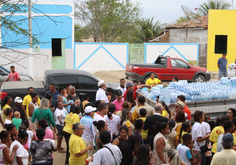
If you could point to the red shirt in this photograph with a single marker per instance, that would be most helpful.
(187, 110)
(134, 93)
(14, 76)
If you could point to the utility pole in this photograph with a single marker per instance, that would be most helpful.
(31, 60)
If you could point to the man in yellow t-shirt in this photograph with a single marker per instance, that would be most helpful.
(78, 148)
(27, 99)
(152, 80)
(215, 133)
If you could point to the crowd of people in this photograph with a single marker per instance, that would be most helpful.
(118, 129)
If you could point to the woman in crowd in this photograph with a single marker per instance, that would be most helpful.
(125, 144)
(130, 98)
(41, 149)
(199, 136)
(166, 111)
(11, 128)
(71, 119)
(172, 136)
(78, 148)
(43, 112)
(33, 105)
(60, 114)
(5, 156)
(6, 104)
(231, 113)
(126, 120)
(160, 144)
(21, 156)
(101, 125)
(174, 158)
(48, 132)
(180, 118)
(9, 114)
(125, 105)
(113, 120)
(206, 125)
(216, 132)
(143, 155)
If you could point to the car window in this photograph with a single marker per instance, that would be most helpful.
(52, 80)
(67, 80)
(178, 63)
(1, 72)
(87, 83)
(160, 60)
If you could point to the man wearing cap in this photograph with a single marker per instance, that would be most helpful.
(118, 101)
(179, 106)
(228, 155)
(130, 86)
(101, 93)
(18, 107)
(87, 121)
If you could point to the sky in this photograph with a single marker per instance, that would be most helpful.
(165, 11)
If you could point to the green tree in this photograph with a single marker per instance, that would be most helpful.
(213, 4)
(81, 32)
(146, 28)
(108, 20)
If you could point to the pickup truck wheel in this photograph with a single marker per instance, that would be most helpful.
(200, 78)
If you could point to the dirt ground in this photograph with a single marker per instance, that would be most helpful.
(111, 76)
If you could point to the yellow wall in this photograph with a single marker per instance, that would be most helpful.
(221, 22)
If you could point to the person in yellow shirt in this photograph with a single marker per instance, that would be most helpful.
(141, 104)
(152, 80)
(166, 111)
(78, 148)
(71, 118)
(27, 99)
(216, 132)
(6, 104)
(86, 100)
(186, 128)
(144, 133)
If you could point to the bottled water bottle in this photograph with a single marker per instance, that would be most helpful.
(165, 96)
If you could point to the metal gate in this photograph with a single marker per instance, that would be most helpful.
(136, 53)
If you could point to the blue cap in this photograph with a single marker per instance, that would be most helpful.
(129, 84)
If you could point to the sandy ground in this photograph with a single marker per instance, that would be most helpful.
(111, 76)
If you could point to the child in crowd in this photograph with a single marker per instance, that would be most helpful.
(185, 149)
(172, 136)
(30, 136)
(9, 113)
(86, 100)
(186, 128)
(17, 120)
(144, 133)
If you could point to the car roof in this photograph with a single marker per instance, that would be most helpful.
(54, 72)
(22, 84)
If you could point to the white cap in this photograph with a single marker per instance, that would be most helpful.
(18, 100)
(101, 82)
(89, 109)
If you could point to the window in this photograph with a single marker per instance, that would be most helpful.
(87, 83)
(220, 44)
(52, 80)
(67, 80)
(178, 64)
(160, 60)
(56, 47)
(1, 72)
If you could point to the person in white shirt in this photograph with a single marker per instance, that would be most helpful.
(101, 112)
(109, 155)
(199, 136)
(113, 120)
(228, 128)
(87, 121)
(9, 114)
(21, 156)
(101, 93)
(122, 86)
(206, 125)
(60, 115)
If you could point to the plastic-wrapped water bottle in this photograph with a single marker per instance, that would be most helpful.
(165, 96)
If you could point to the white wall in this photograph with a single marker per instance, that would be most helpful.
(183, 51)
(100, 56)
(188, 36)
(41, 61)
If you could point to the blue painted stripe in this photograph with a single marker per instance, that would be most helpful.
(180, 54)
(113, 57)
(127, 55)
(145, 54)
(74, 55)
(89, 57)
(167, 50)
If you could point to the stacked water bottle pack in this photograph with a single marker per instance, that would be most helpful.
(199, 91)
